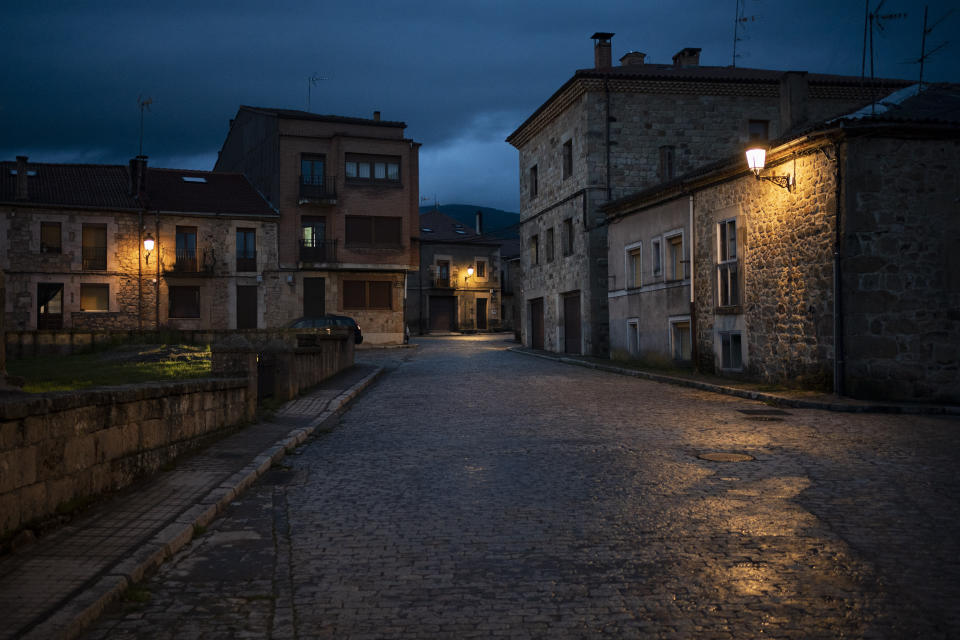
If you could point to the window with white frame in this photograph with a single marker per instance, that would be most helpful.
(633, 337)
(674, 262)
(481, 269)
(731, 351)
(634, 265)
(728, 289)
(680, 338)
(655, 256)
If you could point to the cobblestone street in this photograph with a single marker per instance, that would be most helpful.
(474, 493)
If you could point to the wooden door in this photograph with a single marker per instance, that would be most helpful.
(571, 322)
(314, 297)
(536, 323)
(442, 313)
(50, 305)
(481, 313)
(246, 307)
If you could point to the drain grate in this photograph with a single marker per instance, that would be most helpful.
(725, 456)
(763, 412)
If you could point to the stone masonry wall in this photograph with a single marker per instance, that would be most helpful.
(786, 261)
(61, 447)
(901, 269)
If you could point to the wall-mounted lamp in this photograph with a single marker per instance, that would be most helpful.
(756, 160)
(148, 245)
(469, 273)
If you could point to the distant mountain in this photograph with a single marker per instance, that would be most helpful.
(465, 214)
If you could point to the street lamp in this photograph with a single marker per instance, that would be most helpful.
(148, 244)
(756, 160)
(467, 277)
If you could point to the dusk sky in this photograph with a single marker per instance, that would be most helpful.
(461, 75)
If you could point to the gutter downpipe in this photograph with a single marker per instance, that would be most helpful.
(140, 270)
(838, 356)
(693, 309)
(606, 95)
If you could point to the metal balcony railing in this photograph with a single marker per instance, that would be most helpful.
(192, 263)
(94, 258)
(442, 283)
(318, 188)
(318, 251)
(247, 263)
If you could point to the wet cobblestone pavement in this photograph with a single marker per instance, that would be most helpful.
(476, 493)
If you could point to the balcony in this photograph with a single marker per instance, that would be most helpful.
(318, 189)
(442, 283)
(190, 263)
(318, 251)
(247, 263)
(94, 258)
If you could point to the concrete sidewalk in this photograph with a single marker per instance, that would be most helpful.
(56, 586)
(786, 398)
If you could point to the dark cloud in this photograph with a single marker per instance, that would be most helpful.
(462, 75)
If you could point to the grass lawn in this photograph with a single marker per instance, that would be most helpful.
(122, 365)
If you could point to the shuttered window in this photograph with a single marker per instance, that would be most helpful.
(380, 232)
(367, 294)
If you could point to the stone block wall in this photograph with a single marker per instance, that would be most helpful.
(61, 447)
(901, 268)
(786, 243)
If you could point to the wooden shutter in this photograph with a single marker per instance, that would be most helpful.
(380, 295)
(354, 294)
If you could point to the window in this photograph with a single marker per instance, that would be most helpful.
(731, 354)
(311, 169)
(567, 159)
(758, 130)
(675, 260)
(186, 249)
(533, 182)
(372, 169)
(550, 244)
(50, 237)
(94, 249)
(481, 271)
(246, 249)
(367, 294)
(728, 290)
(680, 339)
(634, 266)
(374, 232)
(49, 305)
(94, 297)
(534, 249)
(567, 237)
(184, 302)
(666, 169)
(655, 256)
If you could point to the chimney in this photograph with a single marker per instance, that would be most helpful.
(23, 188)
(688, 57)
(138, 176)
(794, 91)
(602, 50)
(479, 222)
(632, 58)
(376, 116)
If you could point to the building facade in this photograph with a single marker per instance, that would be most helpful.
(612, 130)
(347, 192)
(74, 252)
(458, 285)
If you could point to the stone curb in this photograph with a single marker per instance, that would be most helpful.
(761, 396)
(86, 607)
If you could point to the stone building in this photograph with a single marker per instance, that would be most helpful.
(458, 285)
(612, 130)
(347, 191)
(72, 238)
(842, 272)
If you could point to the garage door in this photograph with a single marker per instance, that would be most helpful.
(442, 313)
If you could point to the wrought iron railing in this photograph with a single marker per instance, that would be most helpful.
(318, 187)
(192, 262)
(94, 258)
(247, 263)
(441, 282)
(318, 250)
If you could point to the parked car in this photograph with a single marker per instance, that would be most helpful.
(323, 322)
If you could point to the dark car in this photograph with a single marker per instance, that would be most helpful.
(323, 322)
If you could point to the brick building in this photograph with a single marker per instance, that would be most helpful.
(72, 238)
(845, 275)
(458, 286)
(347, 191)
(612, 130)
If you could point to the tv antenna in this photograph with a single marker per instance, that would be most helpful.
(311, 82)
(924, 54)
(144, 105)
(739, 22)
(874, 19)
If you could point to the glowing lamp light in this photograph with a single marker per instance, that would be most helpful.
(469, 271)
(148, 243)
(756, 158)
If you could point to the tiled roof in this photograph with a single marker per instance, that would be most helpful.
(306, 115)
(204, 192)
(724, 74)
(439, 227)
(108, 187)
(78, 185)
(936, 104)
